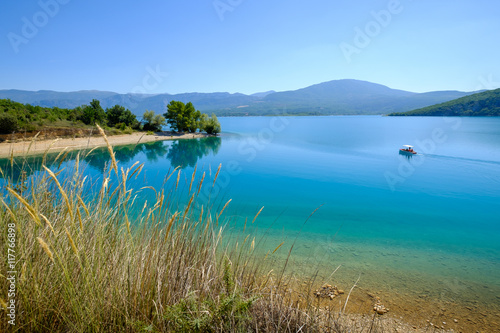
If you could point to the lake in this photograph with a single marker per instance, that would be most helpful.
(420, 225)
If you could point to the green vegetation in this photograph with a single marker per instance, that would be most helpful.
(16, 117)
(87, 263)
(153, 122)
(185, 118)
(92, 114)
(210, 125)
(8, 123)
(120, 117)
(25, 117)
(482, 104)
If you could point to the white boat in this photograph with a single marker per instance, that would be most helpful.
(407, 150)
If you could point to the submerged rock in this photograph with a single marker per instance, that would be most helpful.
(327, 291)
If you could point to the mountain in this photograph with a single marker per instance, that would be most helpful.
(263, 94)
(49, 98)
(333, 97)
(485, 103)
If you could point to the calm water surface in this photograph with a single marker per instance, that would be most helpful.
(428, 224)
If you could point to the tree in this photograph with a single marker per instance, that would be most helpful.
(8, 123)
(119, 115)
(211, 125)
(153, 122)
(93, 113)
(182, 117)
(194, 122)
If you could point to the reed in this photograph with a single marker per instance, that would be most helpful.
(90, 265)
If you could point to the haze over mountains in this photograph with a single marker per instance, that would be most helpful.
(328, 98)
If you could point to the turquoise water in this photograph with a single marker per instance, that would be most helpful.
(429, 223)
(434, 217)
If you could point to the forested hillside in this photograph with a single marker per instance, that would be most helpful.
(482, 104)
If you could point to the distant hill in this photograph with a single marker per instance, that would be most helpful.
(486, 103)
(328, 98)
(263, 94)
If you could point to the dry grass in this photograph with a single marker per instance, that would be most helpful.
(90, 265)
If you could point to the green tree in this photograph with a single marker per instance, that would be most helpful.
(153, 121)
(211, 125)
(93, 113)
(8, 123)
(194, 123)
(182, 117)
(119, 115)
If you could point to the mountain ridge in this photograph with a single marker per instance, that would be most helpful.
(346, 96)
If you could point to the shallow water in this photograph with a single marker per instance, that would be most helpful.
(428, 224)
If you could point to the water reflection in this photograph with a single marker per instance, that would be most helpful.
(182, 153)
(408, 156)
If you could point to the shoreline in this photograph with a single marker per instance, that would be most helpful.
(422, 303)
(34, 147)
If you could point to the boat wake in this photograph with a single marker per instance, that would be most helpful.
(465, 159)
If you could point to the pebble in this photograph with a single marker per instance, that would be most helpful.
(327, 291)
(455, 320)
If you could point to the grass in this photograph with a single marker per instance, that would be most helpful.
(91, 265)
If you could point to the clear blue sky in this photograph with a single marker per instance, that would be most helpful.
(248, 46)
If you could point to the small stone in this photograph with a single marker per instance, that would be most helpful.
(332, 297)
(444, 323)
(455, 320)
(340, 291)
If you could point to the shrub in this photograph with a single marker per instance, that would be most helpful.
(211, 125)
(8, 123)
(128, 130)
(120, 126)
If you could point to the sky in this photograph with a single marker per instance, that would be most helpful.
(248, 46)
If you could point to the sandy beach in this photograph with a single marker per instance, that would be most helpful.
(28, 147)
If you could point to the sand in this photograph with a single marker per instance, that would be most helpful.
(41, 146)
